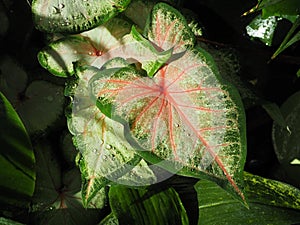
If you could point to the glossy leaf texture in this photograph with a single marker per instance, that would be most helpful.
(270, 202)
(89, 47)
(141, 206)
(184, 114)
(17, 174)
(106, 156)
(53, 16)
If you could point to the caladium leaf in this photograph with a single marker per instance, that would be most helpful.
(57, 197)
(76, 16)
(86, 47)
(166, 28)
(184, 114)
(106, 156)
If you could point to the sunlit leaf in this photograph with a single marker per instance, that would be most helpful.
(106, 155)
(89, 47)
(262, 29)
(63, 16)
(139, 206)
(17, 174)
(166, 28)
(184, 115)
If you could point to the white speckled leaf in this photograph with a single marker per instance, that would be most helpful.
(53, 16)
(185, 114)
(106, 155)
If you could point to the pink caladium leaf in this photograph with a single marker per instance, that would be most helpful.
(185, 114)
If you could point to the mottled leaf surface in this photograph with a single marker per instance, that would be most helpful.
(106, 155)
(74, 16)
(184, 114)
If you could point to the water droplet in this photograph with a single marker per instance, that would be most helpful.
(176, 125)
(108, 146)
(61, 6)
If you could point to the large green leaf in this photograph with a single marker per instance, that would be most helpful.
(217, 207)
(185, 114)
(17, 174)
(76, 16)
(89, 47)
(139, 206)
(57, 198)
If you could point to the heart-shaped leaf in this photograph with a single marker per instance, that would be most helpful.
(89, 47)
(57, 198)
(63, 16)
(184, 114)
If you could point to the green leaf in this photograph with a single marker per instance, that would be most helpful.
(217, 207)
(289, 40)
(271, 192)
(161, 57)
(184, 117)
(4, 221)
(139, 206)
(53, 16)
(17, 174)
(106, 155)
(262, 28)
(90, 47)
(286, 142)
(57, 198)
(281, 8)
(42, 98)
(274, 112)
(110, 219)
(298, 73)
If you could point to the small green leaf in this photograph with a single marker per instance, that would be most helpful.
(110, 219)
(152, 66)
(298, 73)
(53, 16)
(139, 206)
(262, 28)
(217, 207)
(286, 142)
(17, 174)
(274, 111)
